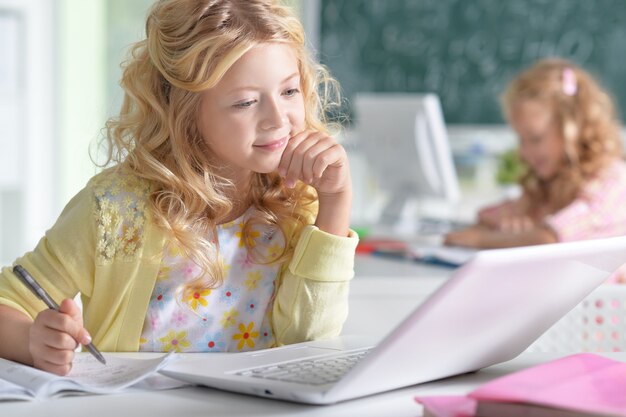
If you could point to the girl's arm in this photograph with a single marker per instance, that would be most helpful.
(30, 332)
(312, 297)
(482, 237)
(495, 215)
(334, 213)
(14, 333)
(312, 291)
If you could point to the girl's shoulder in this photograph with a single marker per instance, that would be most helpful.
(613, 172)
(116, 182)
(618, 166)
(611, 180)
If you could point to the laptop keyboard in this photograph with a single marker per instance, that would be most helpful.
(309, 371)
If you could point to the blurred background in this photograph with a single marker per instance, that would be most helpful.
(59, 71)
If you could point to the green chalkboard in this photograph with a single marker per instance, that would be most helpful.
(467, 50)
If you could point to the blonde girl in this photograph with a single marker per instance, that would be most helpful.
(569, 139)
(222, 223)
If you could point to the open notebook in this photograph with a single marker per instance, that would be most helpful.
(22, 382)
(489, 311)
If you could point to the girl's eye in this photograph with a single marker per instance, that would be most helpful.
(245, 104)
(291, 92)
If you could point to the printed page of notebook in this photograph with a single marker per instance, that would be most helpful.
(584, 382)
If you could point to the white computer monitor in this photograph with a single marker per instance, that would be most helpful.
(405, 141)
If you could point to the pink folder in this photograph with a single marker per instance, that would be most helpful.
(583, 382)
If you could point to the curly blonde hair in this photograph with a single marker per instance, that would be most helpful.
(189, 46)
(588, 123)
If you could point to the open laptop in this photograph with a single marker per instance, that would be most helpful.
(489, 311)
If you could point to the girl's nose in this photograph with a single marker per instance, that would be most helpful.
(273, 115)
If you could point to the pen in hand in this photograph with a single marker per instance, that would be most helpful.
(32, 284)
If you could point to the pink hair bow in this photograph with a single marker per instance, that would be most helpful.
(570, 86)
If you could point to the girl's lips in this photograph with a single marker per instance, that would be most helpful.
(274, 145)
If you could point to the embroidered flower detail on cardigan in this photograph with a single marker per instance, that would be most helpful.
(120, 211)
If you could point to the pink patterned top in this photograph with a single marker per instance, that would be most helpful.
(598, 212)
(233, 317)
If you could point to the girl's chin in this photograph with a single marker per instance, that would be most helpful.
(545, 175)
(268, 169)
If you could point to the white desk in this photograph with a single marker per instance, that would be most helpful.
(206, 402)
(383, 292)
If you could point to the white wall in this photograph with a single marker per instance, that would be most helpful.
(27, 114)
(51, 108)
(81, 97)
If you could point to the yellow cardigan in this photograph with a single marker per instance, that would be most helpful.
(106, 247)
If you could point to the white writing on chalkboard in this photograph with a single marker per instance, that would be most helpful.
(467, 51)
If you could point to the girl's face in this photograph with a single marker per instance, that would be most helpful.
(541, 143)
(248, 117)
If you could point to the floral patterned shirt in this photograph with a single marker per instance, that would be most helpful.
(232, 317)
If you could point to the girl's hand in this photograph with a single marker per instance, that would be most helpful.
(516, 224)
(491, 216)
(55, 335)
(506, 217)
(318, 160)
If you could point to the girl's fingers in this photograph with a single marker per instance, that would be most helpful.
(76, 329)
(309, 160)
(69, 307)
(310, 164)
(54, 321)
(299, 156)
(516, 224)
(293, 143)
(55, 339)
(58, 357)
(528, 223)
(308, 156)
(58, 367)
(505, 224)
(52, 350)
(326, 158)
(466, 237)
(55, 335)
